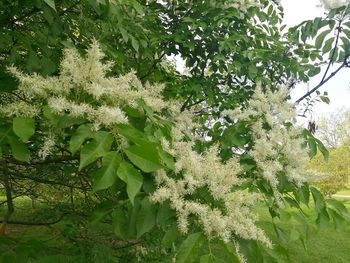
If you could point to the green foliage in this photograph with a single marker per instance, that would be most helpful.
(189, 249)
(98, 147)
(227, 53)
(145, 156)
(24, 128)
(106, 176)
(132, 178)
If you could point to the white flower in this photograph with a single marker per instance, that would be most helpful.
(331, 4)
(47, 147)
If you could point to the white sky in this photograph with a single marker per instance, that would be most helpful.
(338, 87)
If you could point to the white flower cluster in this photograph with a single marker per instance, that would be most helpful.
(195, 172)
(277, 144)
(241, 5)
(47, 147)
(83, 90)
(331, 4)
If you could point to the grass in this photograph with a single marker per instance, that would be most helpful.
(326, 245)
(344, 192)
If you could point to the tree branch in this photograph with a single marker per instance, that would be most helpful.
(345, 63)
(325, 78)
(155, 62)
(334, 50)
(55, 159)
(15, 222)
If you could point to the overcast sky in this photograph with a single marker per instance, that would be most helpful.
(338, 87)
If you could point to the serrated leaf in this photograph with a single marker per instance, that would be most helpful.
(23, 127)
(145, 156)
(105, 176)
(82, 133)
(146, 218)
(132, 178)
(190, 247)
(95, 149)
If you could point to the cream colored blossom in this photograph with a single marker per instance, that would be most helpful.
(205, 171)
(331, 4)
(20, 109)
(278, 148)
(79, 80)
(47, 147)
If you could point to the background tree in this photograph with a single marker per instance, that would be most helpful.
(336, 170)
(334, 130)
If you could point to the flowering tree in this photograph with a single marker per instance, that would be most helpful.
(149, 150)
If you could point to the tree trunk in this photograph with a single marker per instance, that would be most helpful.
(9, 200)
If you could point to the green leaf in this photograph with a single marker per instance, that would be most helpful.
(23, 127)
(146, 218)
(131, 133)
(132, 178)
(320, 38)
(95, 149)
(19, 149)
(320, 207)
(304, 194)
(190, 247)
(51, 3)
(339, 206)
(327, 45)
(82, 133)
(166, 215)
(107, 174)
(312, 147)
(135, 44)
(325, 99)
(338, 220)
(145, 156)
(136, 6)
(208, 259)
(120, 220)
(323, 150)
(101, 211)
(167, 159)
(170, 236)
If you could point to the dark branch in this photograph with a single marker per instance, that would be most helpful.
(56, 159)
(325, 78)
(333, 52)
(183, 107)
(154, 64)
(323, 82)
(15, 222)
